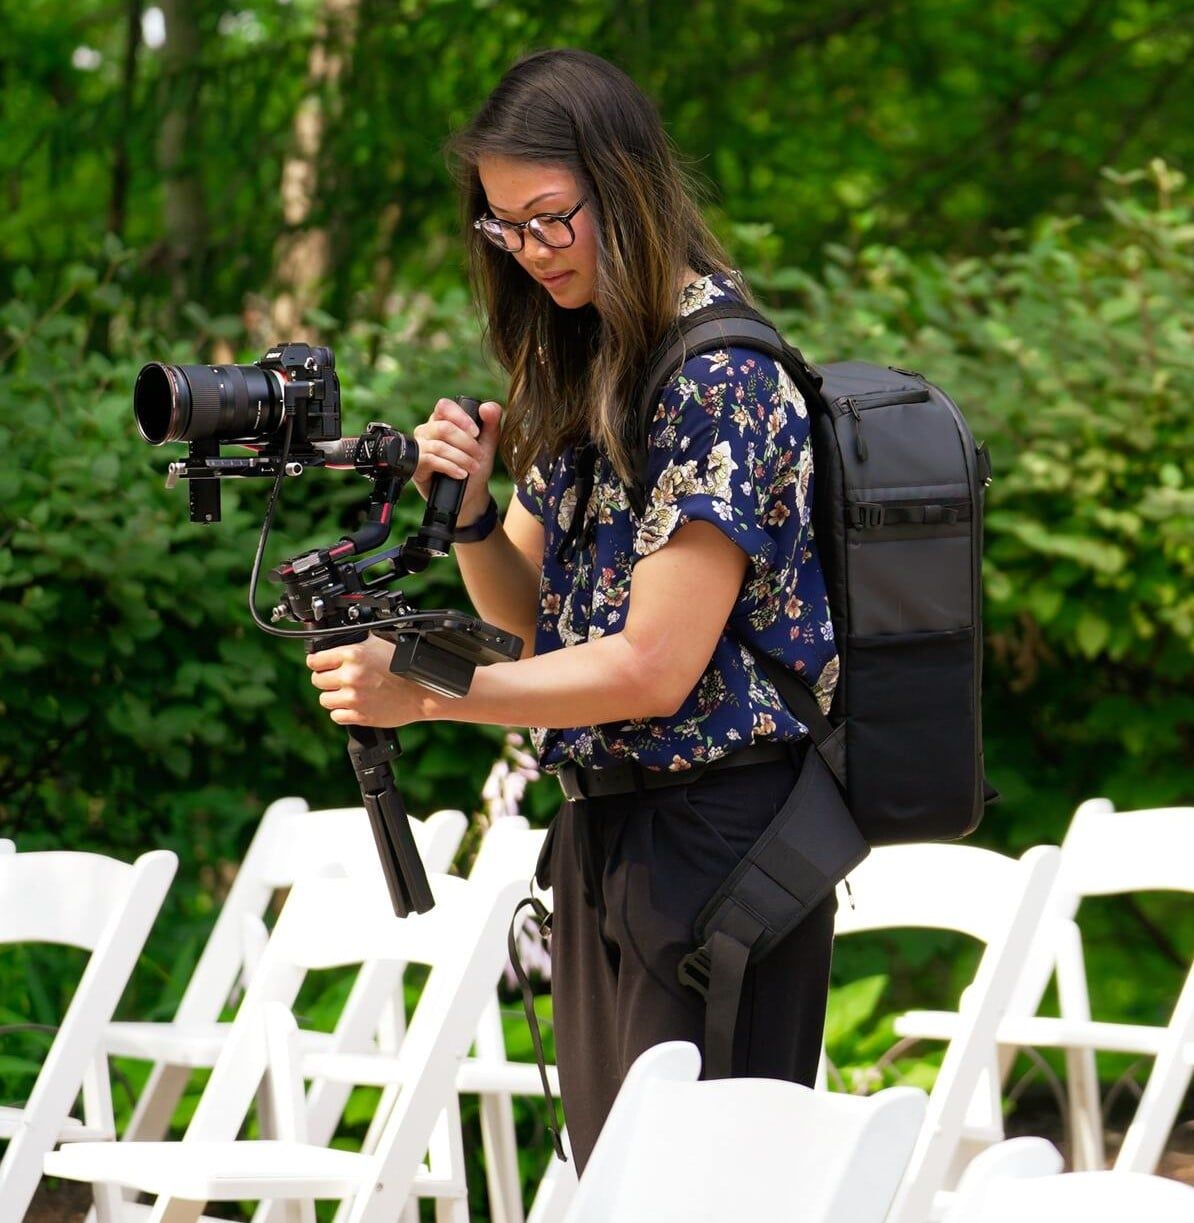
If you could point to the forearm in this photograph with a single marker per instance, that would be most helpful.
(606, 680)
(502, 585)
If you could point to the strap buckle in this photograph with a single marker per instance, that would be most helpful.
(694, 970)
(571, 780)
(867, 514)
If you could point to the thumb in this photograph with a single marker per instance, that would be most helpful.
(491, 422)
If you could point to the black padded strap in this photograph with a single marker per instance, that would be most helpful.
(721, 325)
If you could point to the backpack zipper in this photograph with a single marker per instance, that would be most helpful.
(850, 403)
(859, 441)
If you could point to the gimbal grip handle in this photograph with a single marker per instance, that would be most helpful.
(444, 498)
(446, 494)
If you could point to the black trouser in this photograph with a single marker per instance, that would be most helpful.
(630, 873)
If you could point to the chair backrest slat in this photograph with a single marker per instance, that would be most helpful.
(60, 897)
(942, 887)
(1109, 852)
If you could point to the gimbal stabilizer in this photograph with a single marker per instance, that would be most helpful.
(440, 649)
(327, 590)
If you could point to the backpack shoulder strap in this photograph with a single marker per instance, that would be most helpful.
(729, 324)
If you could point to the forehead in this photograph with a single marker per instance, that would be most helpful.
(513, 185)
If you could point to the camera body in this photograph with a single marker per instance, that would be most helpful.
(310, 372)
(288, 401)
(246, 404)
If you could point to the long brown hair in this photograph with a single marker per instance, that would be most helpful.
(573, 373)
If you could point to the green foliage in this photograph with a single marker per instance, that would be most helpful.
(929, 126)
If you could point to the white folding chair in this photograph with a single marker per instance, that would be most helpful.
(102, 906)
(675, 1150)
(992, 898)
(1018, 1179)
(509, 852)
(325, 923)
(291, 841)
(1104, 853)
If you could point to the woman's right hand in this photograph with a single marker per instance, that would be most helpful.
(449, 445)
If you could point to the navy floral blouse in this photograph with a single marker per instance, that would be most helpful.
(729, 444)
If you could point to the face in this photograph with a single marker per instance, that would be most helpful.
(518, 190)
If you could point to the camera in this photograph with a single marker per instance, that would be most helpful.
(285, 408)
(241, 403)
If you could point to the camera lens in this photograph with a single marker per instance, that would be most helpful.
(186, 403)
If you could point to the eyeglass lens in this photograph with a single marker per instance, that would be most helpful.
(551, 231)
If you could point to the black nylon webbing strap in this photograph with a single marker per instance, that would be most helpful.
(721, 325)
(728, 960)
(538, 908)
(812, 842)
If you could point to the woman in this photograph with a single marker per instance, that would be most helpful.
(585, 245)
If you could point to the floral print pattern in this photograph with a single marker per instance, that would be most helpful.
(729, 444)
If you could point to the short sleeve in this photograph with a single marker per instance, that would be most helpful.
(726, 437)
(532, 488)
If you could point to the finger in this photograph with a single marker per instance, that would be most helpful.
(324, 679)
(347, 717)
(326, 660)
(336, 699)
(451, 434)
(450, 410)
(439, 456)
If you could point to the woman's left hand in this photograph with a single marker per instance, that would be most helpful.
(358, 688)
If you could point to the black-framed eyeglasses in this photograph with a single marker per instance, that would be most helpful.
(551, 228)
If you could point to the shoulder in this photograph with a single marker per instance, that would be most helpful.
(729, 387)
(720, 377)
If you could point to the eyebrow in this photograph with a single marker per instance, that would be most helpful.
(528, 204)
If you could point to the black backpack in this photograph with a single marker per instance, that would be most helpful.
(897, 514)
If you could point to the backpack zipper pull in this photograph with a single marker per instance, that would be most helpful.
(849, 891)
(859, 441)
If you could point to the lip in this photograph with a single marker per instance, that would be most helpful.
(551, 282)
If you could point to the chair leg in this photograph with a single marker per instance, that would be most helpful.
(556, 1189)
(501, 1158)
(498, 1140)
(1087, 1153)
(156, 1104)
(175, 1210)
(446, 1158)
(1144, 1143)
(1082, 1079)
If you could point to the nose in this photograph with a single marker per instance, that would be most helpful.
(533, 248)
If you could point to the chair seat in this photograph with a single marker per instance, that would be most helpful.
(197, 1045)
(1042, 1031)
(72, 1129)
(216, 1171)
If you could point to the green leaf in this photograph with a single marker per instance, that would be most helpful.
(851, 1006)
(1091, 633)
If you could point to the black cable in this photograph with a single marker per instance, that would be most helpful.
(410, 621)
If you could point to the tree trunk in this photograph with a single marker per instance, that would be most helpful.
(301, 253)
(185, 216)
(118, 200)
